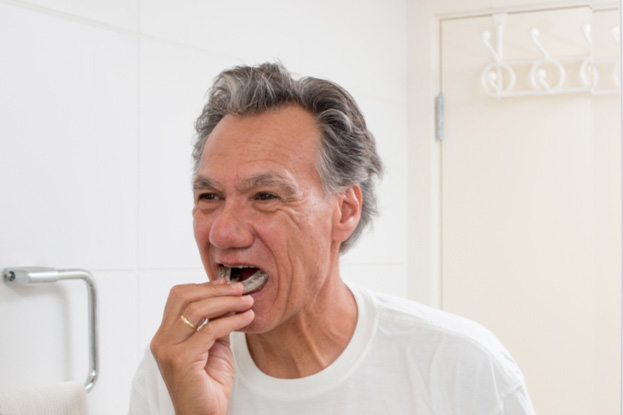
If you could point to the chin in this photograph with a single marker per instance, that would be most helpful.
(257, 326)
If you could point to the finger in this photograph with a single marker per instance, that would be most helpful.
(196, 314)
(205, 352)
(181, 296)
(195, 350)
(215, 330)
(210, 308)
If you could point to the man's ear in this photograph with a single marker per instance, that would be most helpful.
(348, 213)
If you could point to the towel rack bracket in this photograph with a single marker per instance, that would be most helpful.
(41, 275)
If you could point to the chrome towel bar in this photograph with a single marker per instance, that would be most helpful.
(41, 275)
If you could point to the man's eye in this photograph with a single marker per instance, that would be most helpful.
(265, 196)
(207, 196)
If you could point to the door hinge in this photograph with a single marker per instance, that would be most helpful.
(439, 117)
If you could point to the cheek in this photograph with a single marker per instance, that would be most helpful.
(287, 231)
(318, 225)
(306, 236)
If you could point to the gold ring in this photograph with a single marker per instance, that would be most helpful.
(188, 323)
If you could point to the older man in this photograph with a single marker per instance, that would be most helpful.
(284, 182)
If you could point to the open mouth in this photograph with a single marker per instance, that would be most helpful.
(252, 278)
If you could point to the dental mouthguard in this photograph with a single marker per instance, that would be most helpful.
(237, 274)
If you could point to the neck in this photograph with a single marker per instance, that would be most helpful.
(311, 340)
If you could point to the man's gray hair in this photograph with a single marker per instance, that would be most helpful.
(348, 150)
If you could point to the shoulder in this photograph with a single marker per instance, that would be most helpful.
(456, 360)
(432, 333)
(417, 315)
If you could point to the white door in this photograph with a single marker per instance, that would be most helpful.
(530, 200)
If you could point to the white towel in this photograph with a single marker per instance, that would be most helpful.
(68, 398)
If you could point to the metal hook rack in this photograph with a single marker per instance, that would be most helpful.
(499, 78)
(42, 275)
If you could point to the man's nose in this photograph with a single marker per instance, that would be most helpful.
(231, 228)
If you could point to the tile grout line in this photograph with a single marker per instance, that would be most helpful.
(139, 158)
(162, 40)
(68, 16)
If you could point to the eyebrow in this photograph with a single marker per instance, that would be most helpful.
(270, 180)
(277, 180)
(201, 183)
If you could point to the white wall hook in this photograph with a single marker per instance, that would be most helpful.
(550, 74)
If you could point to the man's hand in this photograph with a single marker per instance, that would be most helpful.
(197, 366)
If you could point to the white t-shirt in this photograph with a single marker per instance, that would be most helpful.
(404, 358)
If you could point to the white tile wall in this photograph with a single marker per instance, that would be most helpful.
(247, 29)
(45, 338)
(173, 85)
(387, 278)
(386, 240)
(36, 331)
(154, 287)
(68, 146)
(98, 101)
(350, 42)
(119, 13)
(118, 336)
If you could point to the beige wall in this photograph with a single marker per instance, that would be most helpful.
(586, 298)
